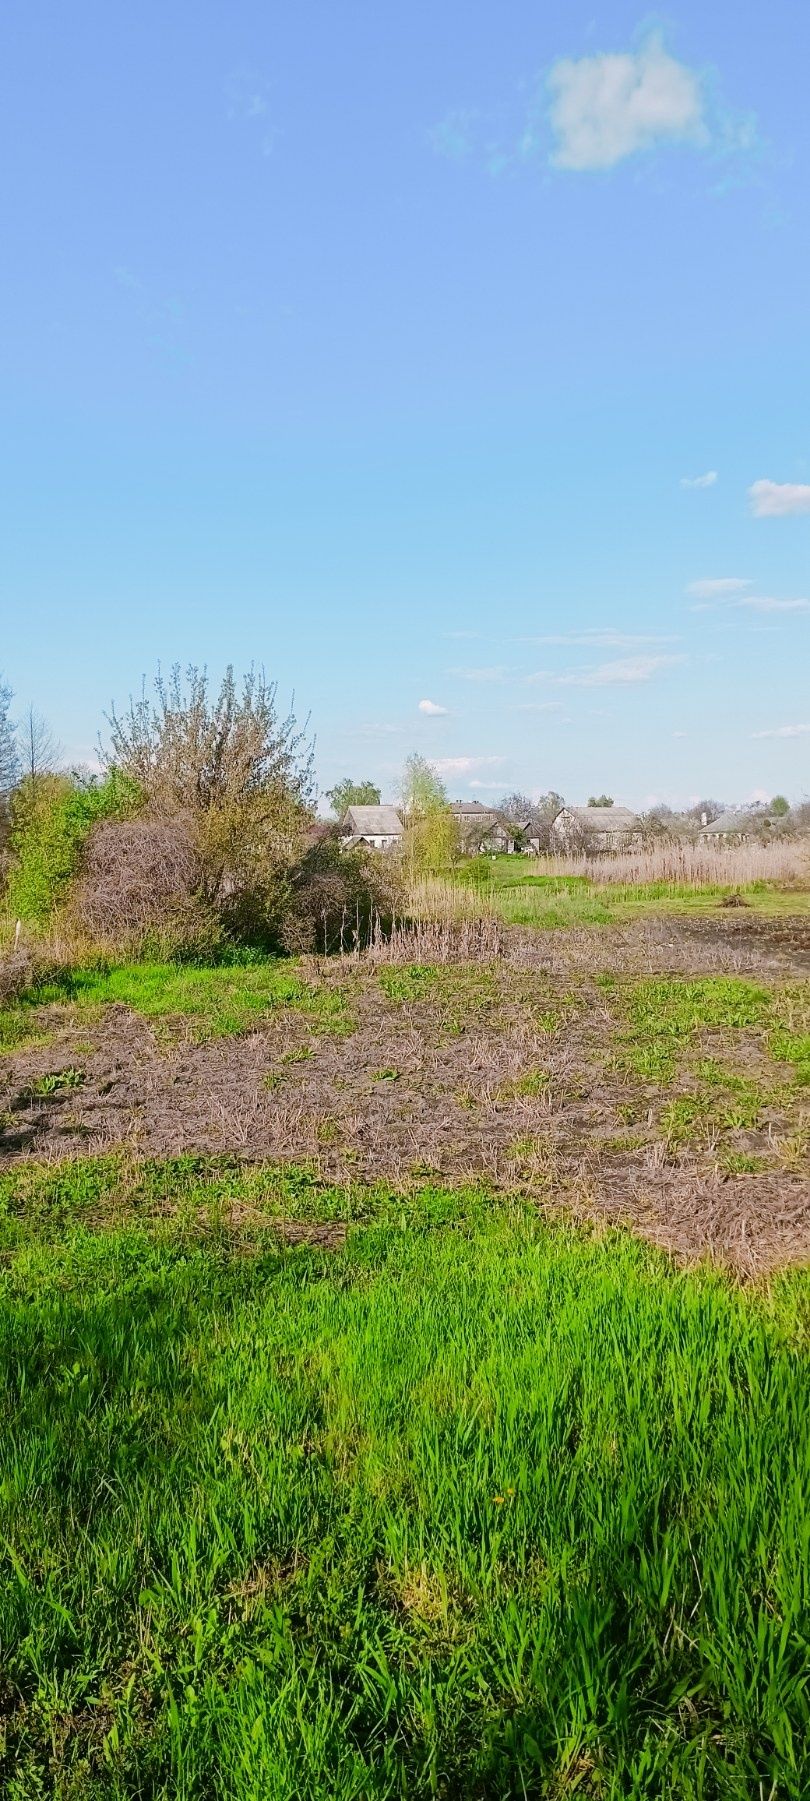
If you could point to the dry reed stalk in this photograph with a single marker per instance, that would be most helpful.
(692, 866)
(474, 939)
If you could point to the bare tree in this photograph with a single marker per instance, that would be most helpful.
(40, 750)
(239, 773)
(537, 815)
(9, 757)
(711, 808)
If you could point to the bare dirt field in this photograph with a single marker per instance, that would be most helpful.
(654, 1074)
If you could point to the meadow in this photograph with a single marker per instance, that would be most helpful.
(405, 1364)
(464, 1504)
(567, 891)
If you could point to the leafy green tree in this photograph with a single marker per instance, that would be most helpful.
(347, 793)
(52, 817)
(780, 805)
(431, 832)
(600, 800)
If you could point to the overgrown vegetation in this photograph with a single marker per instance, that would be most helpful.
(199, 837)
(52, 818)
(321, 1482)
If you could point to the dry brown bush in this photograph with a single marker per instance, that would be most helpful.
(139, 887)
(16, 974)
(481, 940)
(339, 900)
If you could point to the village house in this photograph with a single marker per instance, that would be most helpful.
(381, 827)
(483, 831)
(737, 823)
(597, 829)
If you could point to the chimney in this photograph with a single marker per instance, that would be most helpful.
(704, 818)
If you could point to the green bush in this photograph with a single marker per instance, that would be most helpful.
(51, 818)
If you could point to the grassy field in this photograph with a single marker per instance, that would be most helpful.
(216, 1002)
(555, 892)
(464, 1505)
(357, 1454)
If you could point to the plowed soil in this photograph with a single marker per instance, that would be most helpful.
(513, 1073)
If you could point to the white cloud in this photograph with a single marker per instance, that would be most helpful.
(721, 595)
(700, 481)
(496, 786)
(715, 588)
(602, 640)
(464, 765)
(373, 728)
(604, 108)
(778, 500)
(783, 731)
(765, 603)
(495, 672)
(621, 672)
(432, 709)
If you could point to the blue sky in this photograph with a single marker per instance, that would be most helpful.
(448, 354)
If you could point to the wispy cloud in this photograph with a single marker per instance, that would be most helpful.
(464, 765)
(608, 107)
(726, 597)
(247, 101)
(455, 134)
(432, 709)
(603, 640)
(621, 672)
(700, 481)
(765, 603)
(779, 500)
(717, 587)
(373, 728)
(783, 731)
(493, 672)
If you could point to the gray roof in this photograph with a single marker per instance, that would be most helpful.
(735, 819)
(602, 819)
(373, 822)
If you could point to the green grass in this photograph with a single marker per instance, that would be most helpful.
(550, 901)
(471, 1507)
(219, 1000)
(666, 1016)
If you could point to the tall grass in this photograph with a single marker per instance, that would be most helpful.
(471, 1507)
(689, 865)
(574, 890)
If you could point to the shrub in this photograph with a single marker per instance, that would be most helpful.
(52, 817)
(16, 974)
(338, 897)
(139, 890)
(238, 774)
